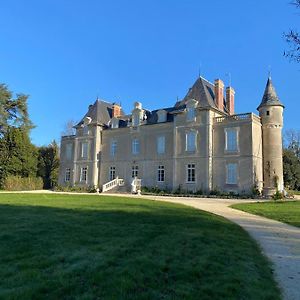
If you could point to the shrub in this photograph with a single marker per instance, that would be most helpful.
(18, 183)
(278, 196)
(76, 189)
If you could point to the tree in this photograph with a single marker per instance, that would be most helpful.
(13, 111)
(48, 164)
(18, 155)
(69, 128)
(293, 40)
(291, 170)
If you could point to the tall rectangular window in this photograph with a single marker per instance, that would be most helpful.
(231, 173)
(190, 141)
(67, 175)
(190, 173)
(191, 114)
(83, 174)
(134, 171)
(231, 139)
(112, 173)
(84, 150)
(135, 146)
(161, 173)
(113, 147)
(161, 144)
(68, 151)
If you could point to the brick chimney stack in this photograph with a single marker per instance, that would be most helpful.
(230, 100)
(116, 110)
(219, 94)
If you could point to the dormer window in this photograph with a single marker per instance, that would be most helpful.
(161, 116)
(85, 130)
(137, 114)
(190, 114)
(191, 110)
(114, 123)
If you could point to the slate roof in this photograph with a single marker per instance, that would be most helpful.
(203, 92)
(100, 112)
(270, 97)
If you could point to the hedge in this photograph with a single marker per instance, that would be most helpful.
(17, 183)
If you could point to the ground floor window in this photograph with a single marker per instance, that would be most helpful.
(112, 173)
(190, 173)
(135, 171)
(67, 175)
(161, 173)
(83, 174)
(231, 173)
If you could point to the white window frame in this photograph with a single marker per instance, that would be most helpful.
(67, 175)
(85, 130)
(83, 174)
(161, 173)
(161, 116)
(228, 142)
(112, 173)
(84, 152)
(135, 146)
(191, 173)
(113, 147)
(134, 171)
(114, 123)
(136, 119)
(191, 145)
(232, 173)
(161, 144)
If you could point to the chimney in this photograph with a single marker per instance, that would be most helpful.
(116, 110)
(230, 100)
(219, 94)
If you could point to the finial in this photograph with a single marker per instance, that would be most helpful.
(269, 71)
(199, 71)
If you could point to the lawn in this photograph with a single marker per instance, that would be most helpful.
(283, 211)
(97, 247)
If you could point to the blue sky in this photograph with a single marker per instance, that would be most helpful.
(66, 53)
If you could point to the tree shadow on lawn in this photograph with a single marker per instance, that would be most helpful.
(156, 253)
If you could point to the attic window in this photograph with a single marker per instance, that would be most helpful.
(161, 116)
(114, 123)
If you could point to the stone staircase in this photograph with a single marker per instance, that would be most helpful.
(114, 185)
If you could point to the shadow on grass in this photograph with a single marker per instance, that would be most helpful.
(146, 251)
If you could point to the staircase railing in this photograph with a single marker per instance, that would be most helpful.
(112, 184)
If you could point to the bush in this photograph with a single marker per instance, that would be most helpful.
(76, 189)
(278, 196)
(18, 183)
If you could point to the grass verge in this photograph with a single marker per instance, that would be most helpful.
(100, 247)
(283, 211)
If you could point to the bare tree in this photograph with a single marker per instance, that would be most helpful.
(293, 40)
(69, 128)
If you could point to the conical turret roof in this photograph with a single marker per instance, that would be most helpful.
(270, 97)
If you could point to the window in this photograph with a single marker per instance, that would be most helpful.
(190, 173)
(268, 112)
(231, 139)
(161, 144)
(191, 141)
(112, 173)
(231, 174)
(85, 130)
(161, 116)
(161, 174)
(114, 123)
(135, 146)
(84, 150)
(113, 147)
(135, 171)
(135, 119)
(190, 114)
(68, 151)
(67, 175)
(83, 174)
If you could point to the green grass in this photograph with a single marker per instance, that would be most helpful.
(283, 211)
(93, 247)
